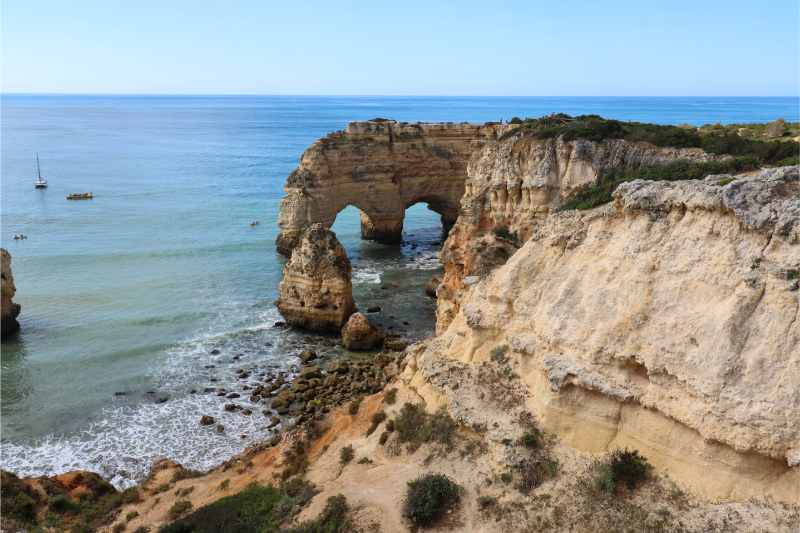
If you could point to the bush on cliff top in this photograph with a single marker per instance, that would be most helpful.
(428, 498)
(714, 141)
(600, 193)
(622, 469)
(255, 509)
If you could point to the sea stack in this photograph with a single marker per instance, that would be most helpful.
(9, 311)
(316, 292)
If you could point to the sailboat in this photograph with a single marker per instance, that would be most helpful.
(40, 182)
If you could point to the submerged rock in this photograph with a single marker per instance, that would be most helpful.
(360, 334)
(315, 292)
(9, 311)
(431, 286)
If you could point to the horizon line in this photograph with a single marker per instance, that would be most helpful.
(310, 95)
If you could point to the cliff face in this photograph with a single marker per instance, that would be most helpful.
(9, 311)
(316, 292)
(667, 322)
(382, 167)
(513, 184)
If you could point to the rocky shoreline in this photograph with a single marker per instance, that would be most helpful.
(652, 337)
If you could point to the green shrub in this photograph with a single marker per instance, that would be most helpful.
(533, 471)
(63, 504)
(601, 192)
(415, 427)
(712, 140)
(346, 455)
(622, 469)
(533, 439)
(428, 498)
(179, 508)
(390, 397)
(515, 120)
(505, 234)
(334, 518)
(486, 502)
(257, 508)
(377, 419)
(131, 515)
(354, 406)
(22, 507)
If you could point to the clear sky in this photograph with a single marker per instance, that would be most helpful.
(406, 47)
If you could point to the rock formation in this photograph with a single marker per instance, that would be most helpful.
(9, 311)
(316, 292)
(513, 184)
(666, 321)
(381, 167)
(360, 334)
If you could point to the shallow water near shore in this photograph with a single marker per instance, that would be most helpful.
(136, 302)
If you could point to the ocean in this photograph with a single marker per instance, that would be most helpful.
(135, 302)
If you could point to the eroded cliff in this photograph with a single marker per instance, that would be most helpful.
(666, 321)
(514, 183)
(9, 311)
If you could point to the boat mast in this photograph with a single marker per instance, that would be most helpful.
(38, 170)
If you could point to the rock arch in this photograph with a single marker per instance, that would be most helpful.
(381, 167)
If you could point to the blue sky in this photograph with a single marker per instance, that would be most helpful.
(561, 48)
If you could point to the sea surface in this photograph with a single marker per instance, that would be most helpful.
(137, 301)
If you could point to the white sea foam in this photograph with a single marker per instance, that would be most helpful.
(126, 440)
(367, 273)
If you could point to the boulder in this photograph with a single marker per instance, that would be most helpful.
(431, 286)
(307, 355)
(316, 292)
(360, 334)
(9, 311)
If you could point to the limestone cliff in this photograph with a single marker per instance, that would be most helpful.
(316, 292)
(9, 311)
(513, 184)
(666, 321)
(381, 167)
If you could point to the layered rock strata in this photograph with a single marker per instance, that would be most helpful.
(666, 322)
(316, 292)
(513, 184)
(381, 167)
(9, 311)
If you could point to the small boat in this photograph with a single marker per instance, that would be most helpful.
(80, 196)
(40, 182)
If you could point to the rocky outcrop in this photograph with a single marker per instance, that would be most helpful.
(513, 184)
(360, 334)
(316, 292)
(9, 311)
(666, 321)
(381, 167)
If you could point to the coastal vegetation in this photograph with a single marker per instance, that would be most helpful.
(415, 427)
(621, 470)
(601, 192)
(428, 498)
(261, 508)
(750, 146)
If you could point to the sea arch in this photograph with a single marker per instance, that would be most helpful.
(382, 167)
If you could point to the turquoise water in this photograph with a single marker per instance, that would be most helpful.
(127, 298)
